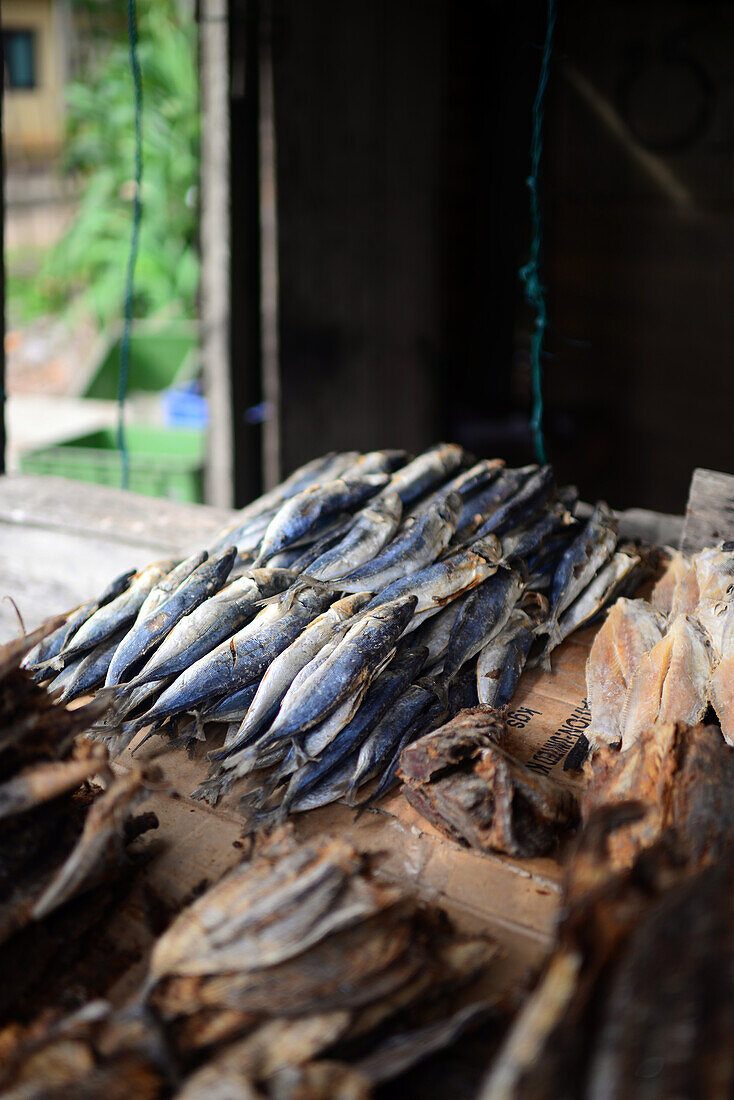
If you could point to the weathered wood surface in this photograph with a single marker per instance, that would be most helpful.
(61, 541)
(709, 512)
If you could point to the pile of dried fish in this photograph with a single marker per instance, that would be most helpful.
(60, 837)
(667, 660)
(279, 981)
(636, 999)
(352, 609)
(462, 780)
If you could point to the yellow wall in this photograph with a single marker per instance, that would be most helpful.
(33, 118)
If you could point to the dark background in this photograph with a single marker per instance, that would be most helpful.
(403, 133)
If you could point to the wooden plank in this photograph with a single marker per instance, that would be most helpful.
(56, 503)
(62, 541)
(709, 512)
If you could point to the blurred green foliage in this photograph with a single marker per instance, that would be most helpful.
(86, 269)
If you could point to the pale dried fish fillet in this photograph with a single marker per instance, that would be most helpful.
(671, 683)
(715, 574)
(717, 619)
(722, 695)
(631, 630)
(673, 592)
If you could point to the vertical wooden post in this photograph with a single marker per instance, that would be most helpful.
(244, 240)
(270, 365)
(2, 276)
(215, 250)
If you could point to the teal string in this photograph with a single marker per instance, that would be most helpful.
(122, 380)
(530, 272)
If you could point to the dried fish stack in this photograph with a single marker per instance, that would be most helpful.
(279, 981)
(463, 781)
(351, 609)
(667, 660)
(60, 838)
(636, 998)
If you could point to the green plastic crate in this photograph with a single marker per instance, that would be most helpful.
(161, 355)
(164, 462)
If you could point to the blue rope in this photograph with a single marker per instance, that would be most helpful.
(530, 272)
(135, 234)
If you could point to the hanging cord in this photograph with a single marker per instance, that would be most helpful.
(530, 272)
(132, 29)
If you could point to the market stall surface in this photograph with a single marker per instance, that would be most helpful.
(61, 541)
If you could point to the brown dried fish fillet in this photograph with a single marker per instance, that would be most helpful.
(87, 1055)
(320, 1080)
(473, 790)
(267, 1049)
(345, 970)
(671, 683)
(631, 629)
(459, 739)
(681, 777)
(667, 1017)
(570, 1019)
(264, 913)
(676, 592)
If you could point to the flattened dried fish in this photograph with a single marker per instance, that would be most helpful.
(631, 630)
(671, 682)
(676, 592)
